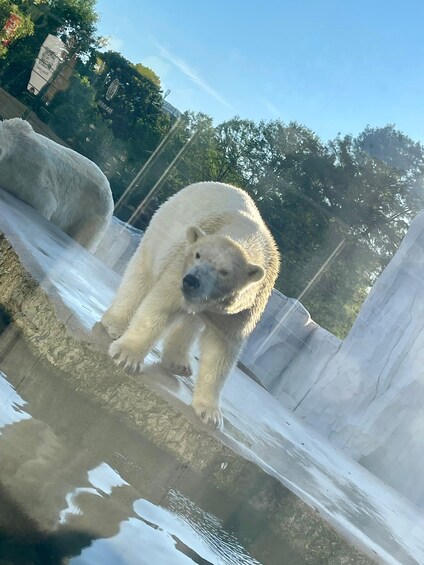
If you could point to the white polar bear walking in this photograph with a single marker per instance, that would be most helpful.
(205, 266)
(64, 186)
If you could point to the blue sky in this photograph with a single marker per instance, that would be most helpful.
(334, 66)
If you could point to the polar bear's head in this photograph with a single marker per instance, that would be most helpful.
(12, 133)
(216, 270)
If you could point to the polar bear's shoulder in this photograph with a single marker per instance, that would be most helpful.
(212, 199)
(215, 190)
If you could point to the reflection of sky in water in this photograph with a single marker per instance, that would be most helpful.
(162, 537)
(103, 478)
(182, 534)
(222, 544)
(136, 543)
(10, 403)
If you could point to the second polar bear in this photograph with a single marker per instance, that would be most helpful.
(205, 267)
(65, 187)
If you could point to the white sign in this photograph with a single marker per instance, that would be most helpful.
(52, 53)
(112, 90)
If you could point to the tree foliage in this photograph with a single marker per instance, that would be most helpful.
(24, 26)
(73, 21)
(119, 130)
(136, 114)
(337, 211)
(148, 73)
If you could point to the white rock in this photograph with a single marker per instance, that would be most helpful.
(118, 244)
(370, 399)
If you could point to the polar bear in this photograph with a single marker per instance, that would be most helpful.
(205, 267)
(64, 186)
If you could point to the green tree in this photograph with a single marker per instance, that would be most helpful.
(167, 169)
(74, 116)
(148, 73)
(111, 114)
(337, 212)
(134, 107)
(74, 21)
(190, 152)
(24, 26)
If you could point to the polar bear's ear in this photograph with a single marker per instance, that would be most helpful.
(193, 234)
(255, 272)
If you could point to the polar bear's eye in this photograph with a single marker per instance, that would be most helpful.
(223, 272)
(197, 255)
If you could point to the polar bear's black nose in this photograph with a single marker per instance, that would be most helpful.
(190, 282)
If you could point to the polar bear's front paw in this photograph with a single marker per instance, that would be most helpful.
(114, 326)
(125, 356)
(209, 413)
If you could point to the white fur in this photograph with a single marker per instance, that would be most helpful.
(193, 206)
(150, 301)
(64, 186)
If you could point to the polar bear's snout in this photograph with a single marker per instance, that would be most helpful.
(190, 283)
(198, 283)
(195, 287)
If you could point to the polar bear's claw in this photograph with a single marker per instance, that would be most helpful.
(125, 358)
(210, 415)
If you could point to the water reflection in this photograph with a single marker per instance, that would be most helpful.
(103, 478)
(77, 485)
(10, 404)
(181, 534)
